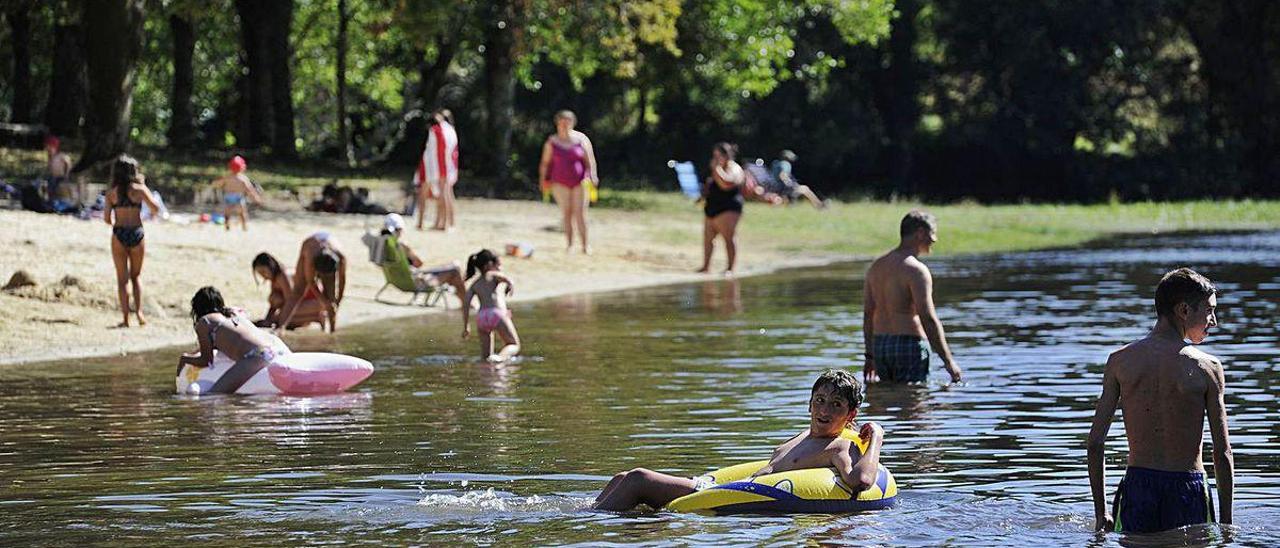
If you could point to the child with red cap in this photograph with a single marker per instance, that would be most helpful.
(235, 188)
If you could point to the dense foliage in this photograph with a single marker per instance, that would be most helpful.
(1051, 100)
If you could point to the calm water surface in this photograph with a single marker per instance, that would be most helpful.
(436, 448)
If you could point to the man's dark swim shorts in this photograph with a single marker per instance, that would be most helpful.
(901, 358)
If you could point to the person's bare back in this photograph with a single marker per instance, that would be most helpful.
(898, 313)
(889, 283)
(1164, 385)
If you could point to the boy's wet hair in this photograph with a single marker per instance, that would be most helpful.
(477, 261)
(915, 220)
(1182, 286)
(326, 262)
(844, 383)
(208, 300)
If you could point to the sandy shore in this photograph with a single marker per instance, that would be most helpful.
(73, 310)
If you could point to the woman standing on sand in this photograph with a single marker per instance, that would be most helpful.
(723, 194)
(568, 161)
(124, 214)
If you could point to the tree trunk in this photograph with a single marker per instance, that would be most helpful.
(344, 137)
(901, 109)
(113, 41)
(256, 130)
(20, 34)
(500, 86)
(182, 130)
(68, 84)
(433, 75)
(283, 139)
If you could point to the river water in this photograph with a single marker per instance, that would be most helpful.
(437, 448)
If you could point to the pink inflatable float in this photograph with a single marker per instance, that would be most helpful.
(294, 374)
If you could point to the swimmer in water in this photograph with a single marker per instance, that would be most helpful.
(221, 328)
(833, 406)
(493, 317)
(236, 187)
(1167, 388)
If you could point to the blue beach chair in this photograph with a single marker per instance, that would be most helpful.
(687, 175)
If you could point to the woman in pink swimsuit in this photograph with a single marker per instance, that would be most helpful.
(567, 161)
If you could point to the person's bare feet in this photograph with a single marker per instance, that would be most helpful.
(586, 250)
(728, 273)
(124, 325)
(703, 270)
(141, 320)
(496, 358)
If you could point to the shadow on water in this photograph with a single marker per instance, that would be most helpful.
(437, 448)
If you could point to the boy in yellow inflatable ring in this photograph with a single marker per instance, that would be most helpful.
(833, 405)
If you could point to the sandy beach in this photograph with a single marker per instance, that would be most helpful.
(72, 310)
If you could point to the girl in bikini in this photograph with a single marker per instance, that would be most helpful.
(223, 329)
(124, 214)
(493, 315)
(269, 269)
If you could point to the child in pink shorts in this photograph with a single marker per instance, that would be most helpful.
(494, 316)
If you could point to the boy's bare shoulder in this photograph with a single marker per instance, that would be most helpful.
(1207, 362)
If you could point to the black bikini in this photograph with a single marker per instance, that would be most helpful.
(129, 236)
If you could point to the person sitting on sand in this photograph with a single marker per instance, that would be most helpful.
(494, 316)
(123, 213)
(1167, 387)
(310, 311)
(321, 273)
(236, 186)
(833, 406)
(448, 274)
(898, 309)
(220, 328)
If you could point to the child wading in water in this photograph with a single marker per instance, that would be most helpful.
(493, 315)
(236, 187)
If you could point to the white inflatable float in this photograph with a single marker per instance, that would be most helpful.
(294, 374)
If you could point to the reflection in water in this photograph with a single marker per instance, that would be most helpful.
(437, 448)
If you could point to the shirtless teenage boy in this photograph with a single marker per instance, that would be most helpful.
(833, 405)
(898, 309)
(1166, 387)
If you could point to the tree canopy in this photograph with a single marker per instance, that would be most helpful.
(947, 99)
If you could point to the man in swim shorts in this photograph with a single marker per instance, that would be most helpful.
(833, 406)
(1167, 387)
(898, 312)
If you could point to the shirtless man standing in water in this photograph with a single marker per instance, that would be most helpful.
(1166, 387)
(898, 309)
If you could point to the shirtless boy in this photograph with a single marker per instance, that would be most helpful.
(236, 186)
(833, 405)
(1166, 387)
(898, 310)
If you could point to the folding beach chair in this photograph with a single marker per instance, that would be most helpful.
(687, 176)
(399, 273)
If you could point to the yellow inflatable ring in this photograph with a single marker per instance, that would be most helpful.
(811, 490)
